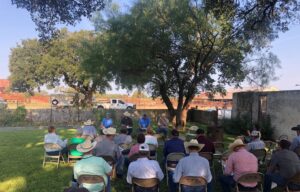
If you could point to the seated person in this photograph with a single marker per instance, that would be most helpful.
(91, 165)
(143, 168)
(284, 165)
(150, 139)
(193, 165)
(255, 142)
(296, 140)
(163, 124)
(239, 162)
(123, 138)
(202, 139)
(126, 122)
(173, 145)
(144, 123)
(52, 137)
(88, 130)
(106, 122)
(135, 148)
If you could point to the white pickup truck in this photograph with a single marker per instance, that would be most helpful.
(115, 104)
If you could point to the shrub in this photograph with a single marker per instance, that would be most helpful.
(238, 125)
(13, 117)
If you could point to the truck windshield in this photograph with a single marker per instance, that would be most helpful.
(121, 102)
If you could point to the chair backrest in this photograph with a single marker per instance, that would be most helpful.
(260, 154)
(219, 146)
(90, 179)
(250, 178)
(175, 156)
(109, 159)
(192, 181)
(297, 150)
(52, 146)
(145, 182)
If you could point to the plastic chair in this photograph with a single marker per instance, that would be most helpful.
(294, 180)
(146, 183)
(91, 179)
(250, 178)
(56, 158)
(70, 157)
(171, 162)
(192, 181)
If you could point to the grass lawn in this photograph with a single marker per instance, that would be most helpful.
(21, 159)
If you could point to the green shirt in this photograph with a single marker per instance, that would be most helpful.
(76, 140)
(91, 165)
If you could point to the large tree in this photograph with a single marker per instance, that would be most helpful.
(33, 64)
(46, 14)
(178, 48)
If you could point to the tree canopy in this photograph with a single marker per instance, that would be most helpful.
(181, 47)
(46, 14)
(33, 64)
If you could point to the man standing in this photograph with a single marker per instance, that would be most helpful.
(285, 162)
(91, 165)
(144, 123)
(193, 165)
(106, 121)
(255, 142)
(143, 168)
(126, 122)
(208, 145)
(239, 162)
(296, 140)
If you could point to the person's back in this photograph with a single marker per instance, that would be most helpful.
(208, 145)
(107, 148)
(255, 145)
(89, 130)
(123, 139)
(174, 145)
(150, 139)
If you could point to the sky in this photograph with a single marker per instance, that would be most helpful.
(16, 25)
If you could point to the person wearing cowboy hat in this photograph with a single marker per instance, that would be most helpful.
(255, 142)
(107, 147)
(193, 165)
(106, 122)
(144, 168)
(163, 124)
(88, 130)
(91, 165)
(283, 166)
(239, 162)
(296, 140)
(126, 122)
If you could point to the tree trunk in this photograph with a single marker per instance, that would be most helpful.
(181, 116)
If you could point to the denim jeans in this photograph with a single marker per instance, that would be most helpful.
(273, 177)
(63, 151)
(185, 188)
(227, 182)
(172, 186)
(143, 189)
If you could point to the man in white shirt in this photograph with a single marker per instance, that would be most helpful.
(143, 168)
(193, 165)
(52, 137)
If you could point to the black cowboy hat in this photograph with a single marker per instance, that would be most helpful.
(297, 128)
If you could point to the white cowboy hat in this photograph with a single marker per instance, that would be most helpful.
(109, 131)
(236, 143)
(127, 114)
(194, 143)
(86, 146)
(88, 122)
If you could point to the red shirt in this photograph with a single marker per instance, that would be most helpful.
(208, 147)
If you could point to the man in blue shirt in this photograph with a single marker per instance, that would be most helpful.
(174, 145)
(107, 122)
(144, 123)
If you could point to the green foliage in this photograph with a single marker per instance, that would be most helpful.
(238, 126)
(13, 117)
(267, 129)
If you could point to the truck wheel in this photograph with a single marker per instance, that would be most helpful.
(100, 107)
(129, 108)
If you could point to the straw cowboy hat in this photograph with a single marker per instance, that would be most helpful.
(126, 114)
(86, 146)
(109, 131)
(297, 128)
(88, 122)
(236, 143)
(193, 143)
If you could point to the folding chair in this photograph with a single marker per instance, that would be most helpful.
(295, 180)
(72, 147)
(91, 179)
(210, 157)
(219, 147)
(146, 183)
(52, 158)
(250, 178)
(261, 156)
(153, 153)
(193, 181)
(171, 162)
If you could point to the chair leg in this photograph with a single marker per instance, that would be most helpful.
(58, 161)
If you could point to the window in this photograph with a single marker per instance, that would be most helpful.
(121, 102)
(114, 101)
